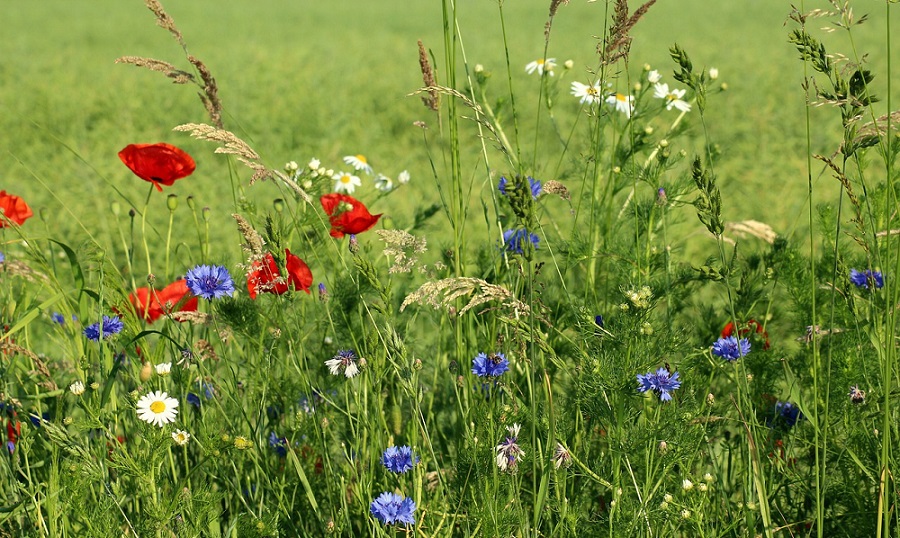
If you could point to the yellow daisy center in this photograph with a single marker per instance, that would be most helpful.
(540, 62)
(345, 178)
(621, 98)
(362, 159)
(592, 91)
(158, 406)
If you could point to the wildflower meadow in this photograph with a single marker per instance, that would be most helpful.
(508, 293)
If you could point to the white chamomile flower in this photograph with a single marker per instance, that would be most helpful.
(403, 177)
(541, 66)
(164, 368)
(673, 98)
(314, 164)
(383, 183)
(653, 77)
(77, 388)
(345, 182)
(622, 103)
(181, 437)
(291, 166)
(157, 408)
(359, 163)
(588, 93)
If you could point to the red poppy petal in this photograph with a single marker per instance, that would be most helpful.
(15, 209)
(157, 163)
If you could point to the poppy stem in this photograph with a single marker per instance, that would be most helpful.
(144, 227)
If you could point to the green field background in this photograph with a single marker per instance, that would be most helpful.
(309, 79)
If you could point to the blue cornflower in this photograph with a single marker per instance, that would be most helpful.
(2, 257)
(390, 508)
(193, 399)
(661, 382)
(210, 281)
(534, 185)
(58, 318)
(516, 241)
(788, 412)
(278, 444)
(598, 319)
(730, 349)
(489, 365)
(862, 279)
(509, 452)
(106, 328)
(399, 460)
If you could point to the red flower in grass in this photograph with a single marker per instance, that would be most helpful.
(152, 305)
(14, 208)
(751, 326)
(265, 276)
(347, 215)
(160, 164)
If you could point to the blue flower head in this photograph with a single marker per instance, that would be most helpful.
(516, 241)
(661, 382)
(489, 365)
(863, 279)
(106, 328)
(2, 257)
(210, 281)
(278, 444)
(399, 460)
(390, 508)
(730, 349)
(787, 414)
(533, 184)
(58, 318)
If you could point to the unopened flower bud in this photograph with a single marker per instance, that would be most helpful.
(172, 202)
(354, 244)
(569, 64)
(323, 292)
(146, 372)
(190, 202)
(479, 68)
(648, 130)
(663, 448)
(713, 73)
(417, 364)
(115, 208)
(205, 212)
(132, 213)
(663, 143)
(278, 204)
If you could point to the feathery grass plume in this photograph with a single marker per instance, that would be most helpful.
(20, 268)
(205, 350)
(617, 43)
(848, 188)
(195, 318)
(254, 242)
(433, 99)
(755, 228)
(403, 247)
(164, 20)
(868, 134)
(479, 115)
(709, 204)
(229, 144)
(210, 95)
(177, 75)
(8, 347)
(554, 7)
(443, 293)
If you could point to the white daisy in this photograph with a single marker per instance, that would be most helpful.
(621, 102)
(383, 183)
(403, 177)
(77, 388)
(589, 93)
(653, 77)
(181, 437)
(541, 66)
(163, 368)
(157, 408)
(673, 98)
(358, 162)
(345, 182)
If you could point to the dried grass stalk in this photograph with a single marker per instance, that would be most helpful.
(177, 75)
(196, 318)
(402, 247)
(755, 228)
(433, 99)
(210, 95)
(254, 242)
(229, 144)
(164, 20)
(618, 43)
(444, 293)
(557, 188)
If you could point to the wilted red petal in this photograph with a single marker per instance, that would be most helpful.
(347, 215)
(167, 300)
(14, 208)
(265, 276)
(157, 163)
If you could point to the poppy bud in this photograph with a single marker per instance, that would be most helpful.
(279, 205)
(115, 208)
(205, 212)
(172, 202)
(132, 212)
(190, 202)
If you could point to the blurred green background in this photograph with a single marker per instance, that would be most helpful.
(307, 79)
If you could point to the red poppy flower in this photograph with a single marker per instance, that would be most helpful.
(265, 276)
(347, 214)
(152, 306)
(160, 164)
(14, 208)
(751, 325)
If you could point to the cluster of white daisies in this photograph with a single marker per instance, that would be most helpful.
(346, 182)
(592, 93)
